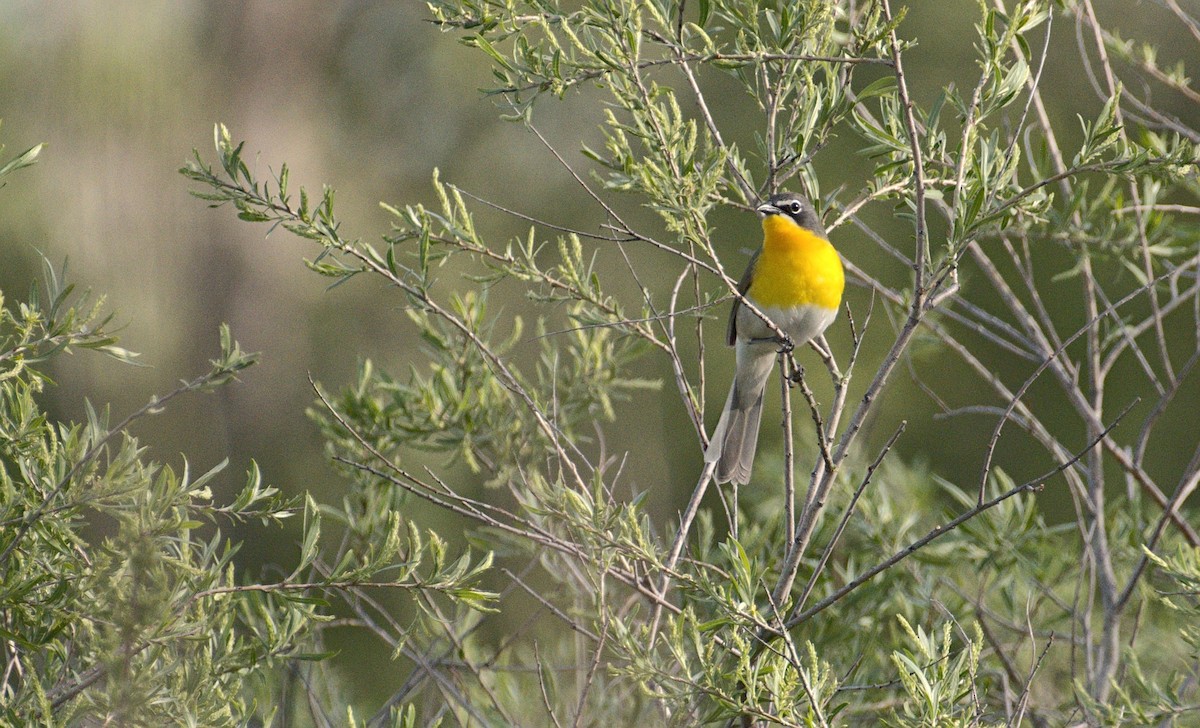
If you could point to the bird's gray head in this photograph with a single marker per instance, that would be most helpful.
(798, 208)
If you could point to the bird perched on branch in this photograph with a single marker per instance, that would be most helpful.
(796, 280)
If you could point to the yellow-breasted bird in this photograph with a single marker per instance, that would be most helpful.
(796, 279)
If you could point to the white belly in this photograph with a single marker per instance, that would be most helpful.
(801, 323)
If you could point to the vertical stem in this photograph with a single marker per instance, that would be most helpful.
(685, 526)
(789, 452)
(1107, 650)
(772, 108)
(1135, 194)
(733, 510)
(820, 487)
(921, 258)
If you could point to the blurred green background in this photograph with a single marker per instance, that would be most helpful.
(368, 98)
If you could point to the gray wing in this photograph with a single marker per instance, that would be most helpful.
(743, 286)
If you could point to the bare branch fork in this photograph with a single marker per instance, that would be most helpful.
(799, 616)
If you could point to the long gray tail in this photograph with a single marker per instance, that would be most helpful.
(735, 438)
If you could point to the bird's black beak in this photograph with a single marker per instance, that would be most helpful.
(766, 209)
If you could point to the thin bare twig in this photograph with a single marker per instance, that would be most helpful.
(837, 533)
(789, 449)
(1035, 484)
(597, 655)
(921, 256)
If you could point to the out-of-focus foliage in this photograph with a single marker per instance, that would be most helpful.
(119, 601)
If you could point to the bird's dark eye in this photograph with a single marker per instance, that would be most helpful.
(794, 207)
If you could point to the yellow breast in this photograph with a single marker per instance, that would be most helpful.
(796, 267)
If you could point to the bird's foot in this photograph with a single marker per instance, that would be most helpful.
(785, 344)
(797, 375)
